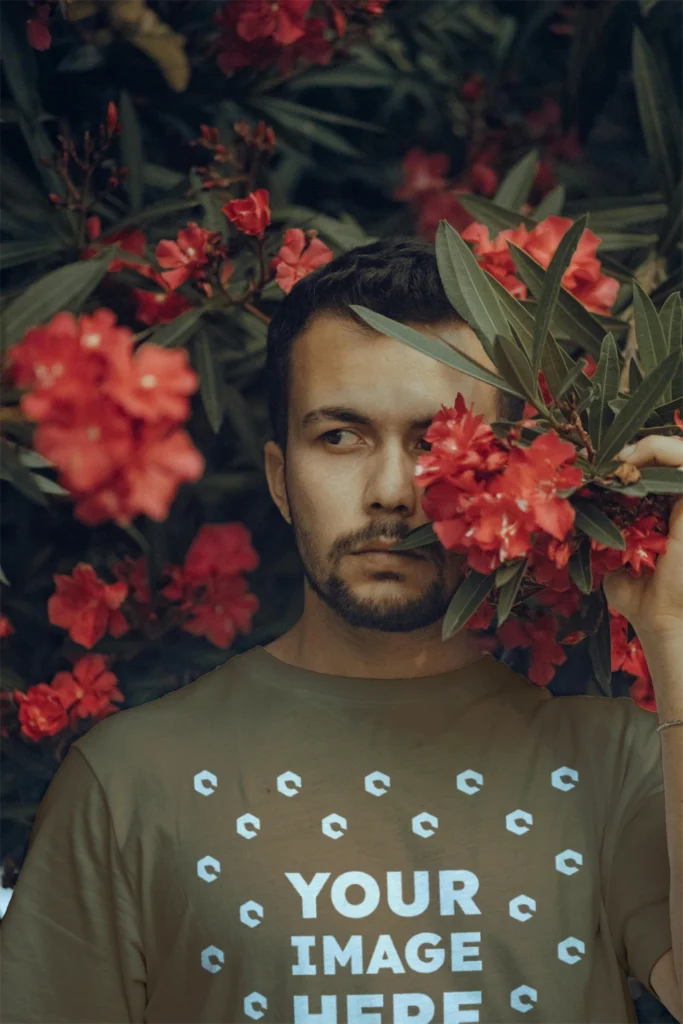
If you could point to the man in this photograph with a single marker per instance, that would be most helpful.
(358, 822)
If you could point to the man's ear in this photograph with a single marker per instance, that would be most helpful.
(274, 462)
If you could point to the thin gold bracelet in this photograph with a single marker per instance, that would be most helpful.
(677, 721)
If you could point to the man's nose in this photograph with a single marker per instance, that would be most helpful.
(391, 484)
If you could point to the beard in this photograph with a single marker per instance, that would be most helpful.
(399, 614)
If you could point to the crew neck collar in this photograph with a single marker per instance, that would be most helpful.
(483, 673)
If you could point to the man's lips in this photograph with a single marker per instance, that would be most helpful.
(387, 550)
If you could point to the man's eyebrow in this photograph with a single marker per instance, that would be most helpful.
(348, 415)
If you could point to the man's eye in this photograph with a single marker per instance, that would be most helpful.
(427, 444)
(333, 435)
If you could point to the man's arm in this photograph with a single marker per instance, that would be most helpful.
(71, 947)
(663, 981)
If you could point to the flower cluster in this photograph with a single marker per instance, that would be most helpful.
(282, 33)
(583, 277)
(108, 416)
(87, 691)
(206, 596)
(501, 504)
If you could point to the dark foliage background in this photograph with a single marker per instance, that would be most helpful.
(592, 88)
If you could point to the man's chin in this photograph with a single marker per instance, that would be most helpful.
(390, 614)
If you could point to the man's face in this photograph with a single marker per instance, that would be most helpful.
(359, 407)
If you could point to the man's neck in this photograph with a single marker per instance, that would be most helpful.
(321, 642)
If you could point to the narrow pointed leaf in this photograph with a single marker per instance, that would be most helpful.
(178, 331)
(662, 479)
(600, 648)
(517, 315)
(551, 286)
(666, 412)
(514, 189)
(63, 288)
(671, 231)
(418, 538)
(3, 578)
(671, 319)
(652, 344)
(131, 152)
(208, 384)
(515, 367)
(505, 573)
(591, 521)
(495, 218)
(433, 347)
(636, 411)
(571, 378)
(552, 204)
(580, 566)
(508, 593)
(467, 286)
(606, 380)
(659, 114)
(465, 602)
(570, 319)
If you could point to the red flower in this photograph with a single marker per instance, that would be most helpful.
(462, 447)
(433, 207)
(628, 656)
(154, 385)
(220, 548)
(281, 20)
(6, 627)
(87, 443)
(154, 308)
(130, 240)
(583, 277)
(294, 260)
(87, 607)
(645, 539)
(133, 572)
(162, 459)
(37, 31)
(482, 178)
(472, 87)
(540, 635)
(533, 477)
(422, 172)
(112, 122)
(250, 215)
(41, 712)
(187, 255)
(483, 617)
(86, 691)
(224, 609)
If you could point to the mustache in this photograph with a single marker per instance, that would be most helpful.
(432, 552)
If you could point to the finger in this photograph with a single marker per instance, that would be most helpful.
(664, 451)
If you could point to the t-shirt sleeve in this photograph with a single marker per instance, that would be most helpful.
(638, 883)
(71, 948)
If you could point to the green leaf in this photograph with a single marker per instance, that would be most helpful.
(508, 592)
(467, 286)
(465, 602)
(551, 205)
(208, 385)
(606, 380)
(517, 315)
(670, 235)
(671, 319)
(178, 331)
(637, 409)
(15, 254)
(551, 286)
(591, 521)
(433, 347)
(600, 648)
(131, 153)
(236, 410)
(516, 368)
(570, 319)
(572, 377)
(659, 115)
(418, 538)
(60, 289)
(662, 479)
(514, 189)
(615, 241)
(652, 344)
(22, 478)
(495, 218)
(3, 578)
(580, 566)
(301, 111)
(305, 127)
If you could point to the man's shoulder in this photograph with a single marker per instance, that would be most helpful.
(177, 720)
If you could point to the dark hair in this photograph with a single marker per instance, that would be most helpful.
(397, 277)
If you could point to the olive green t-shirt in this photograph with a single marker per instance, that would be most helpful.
(275, 844)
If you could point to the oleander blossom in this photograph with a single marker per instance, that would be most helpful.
(108, 415)
(299, 254)
(488, 497)
(583, 277)
(87, 691)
